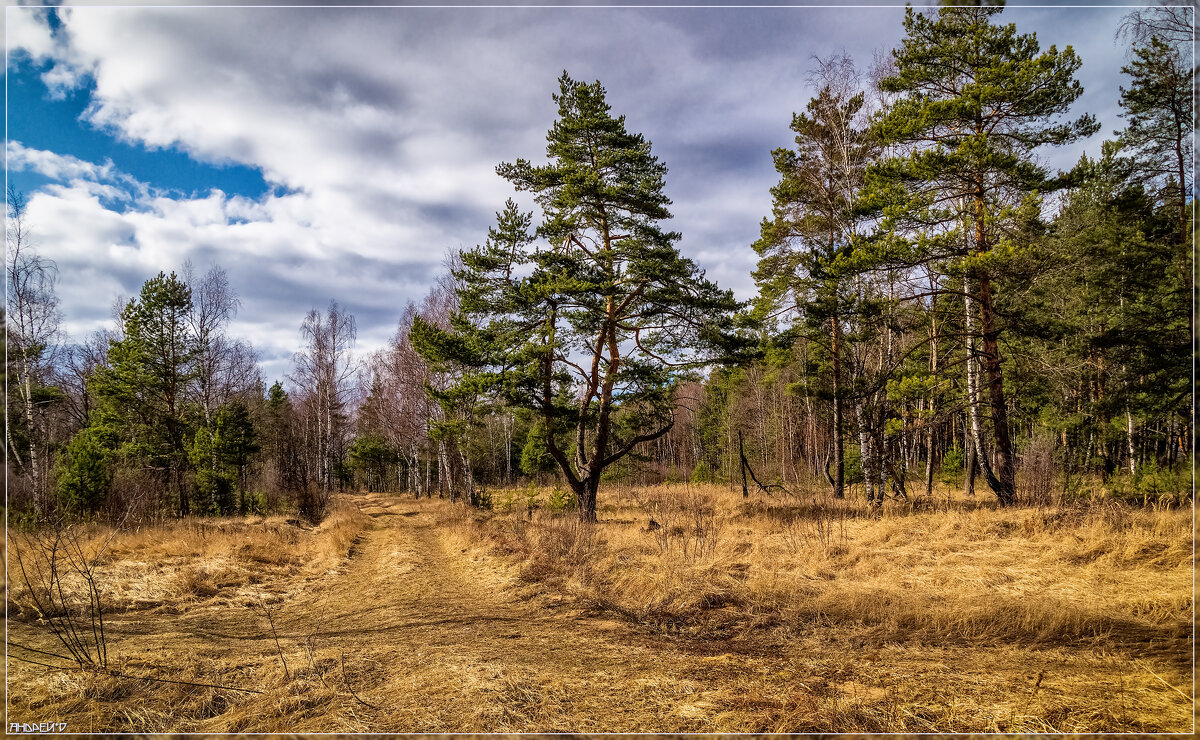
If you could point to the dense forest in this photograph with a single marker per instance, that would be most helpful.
(935, 308)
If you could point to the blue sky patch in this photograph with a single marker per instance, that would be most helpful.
(40, 122)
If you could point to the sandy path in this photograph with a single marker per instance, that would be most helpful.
(446, 647)
(432, 641)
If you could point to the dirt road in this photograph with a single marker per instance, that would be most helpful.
(408, 634)
(412, 633)
(457, 651)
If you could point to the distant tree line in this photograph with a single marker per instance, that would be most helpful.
(934, 306)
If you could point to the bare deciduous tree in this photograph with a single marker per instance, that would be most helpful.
(32, 323)
(324, 372)
(224, 367)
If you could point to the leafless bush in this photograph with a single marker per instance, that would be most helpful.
(312, 503)
(681, 521)
(567, 539)
(59, 566)
(133, 497)
(19, 493)
(821, 527)
(1036, 472)
(59, 569)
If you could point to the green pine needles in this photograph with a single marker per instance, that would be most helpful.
(590, 318)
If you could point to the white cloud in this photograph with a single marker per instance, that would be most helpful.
(54, 166)
(383, 126)
(26, 29)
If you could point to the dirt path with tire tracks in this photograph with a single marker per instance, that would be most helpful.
(408, 634)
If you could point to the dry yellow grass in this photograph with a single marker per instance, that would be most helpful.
(165, 566)
(958, 570)
(732, 616)
(1107, 584)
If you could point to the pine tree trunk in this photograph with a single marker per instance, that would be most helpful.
(1005, 463)
(586, 498)
(839, 463)
(980, 457)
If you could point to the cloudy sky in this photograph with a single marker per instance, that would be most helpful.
(336, 153)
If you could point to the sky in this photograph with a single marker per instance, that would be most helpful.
(322, 154)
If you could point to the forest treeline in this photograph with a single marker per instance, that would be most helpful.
(935, 307)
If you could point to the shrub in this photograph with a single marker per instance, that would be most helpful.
(1152, 485)
(560, 500)
(85, 476)
(532, 493)
(952, 465)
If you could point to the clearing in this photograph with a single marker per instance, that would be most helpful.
(410, 627)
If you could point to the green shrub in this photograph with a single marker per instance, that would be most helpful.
(952, 465)
(481, 498)
(254, 502)
(560, 500)
(506, 503)
(853, 466)
(1152, 485)
(532, 493)
(85, 472)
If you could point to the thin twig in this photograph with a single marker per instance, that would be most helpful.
(351, 688)
(40, 652)
(1160, 678)
(275, 634)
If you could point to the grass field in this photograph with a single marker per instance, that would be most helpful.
(687, 608)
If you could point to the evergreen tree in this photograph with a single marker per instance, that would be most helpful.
(1157, 142)
(974, 100)
(803, 247)
(1112, 313)
(142, 392)
(1158, 106)
(221, 453)
(85, 471)
(535, 457)
(598, 300)
(280, 439)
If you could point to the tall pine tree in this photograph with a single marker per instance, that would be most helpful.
(142, 394)
(975, 100)
(596, 311)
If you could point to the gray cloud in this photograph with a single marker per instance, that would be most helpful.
(383, 127)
